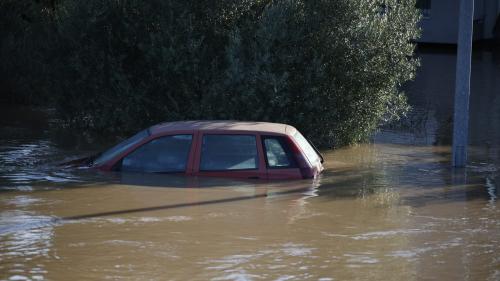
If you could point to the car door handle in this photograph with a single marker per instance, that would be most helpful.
(254, 178)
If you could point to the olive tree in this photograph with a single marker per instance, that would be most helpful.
(128, 64)
(24, 40)
(332, 68)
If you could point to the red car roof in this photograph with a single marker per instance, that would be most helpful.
(224, 125)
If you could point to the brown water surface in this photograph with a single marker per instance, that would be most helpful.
(389, 210)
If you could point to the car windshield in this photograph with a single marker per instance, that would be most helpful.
(121, 147)
(310, 152)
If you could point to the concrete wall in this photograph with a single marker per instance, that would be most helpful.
(442, 24)
(491, 11)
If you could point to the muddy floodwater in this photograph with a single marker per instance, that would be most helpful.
(392, 209)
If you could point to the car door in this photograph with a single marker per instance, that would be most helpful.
(229, 154)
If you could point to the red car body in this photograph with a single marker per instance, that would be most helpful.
(280, 151)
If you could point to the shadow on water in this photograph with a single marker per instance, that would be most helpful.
(441, 187)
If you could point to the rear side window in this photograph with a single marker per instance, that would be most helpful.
(306, 147)
(228, 152)
(278, 154)
(162, 155)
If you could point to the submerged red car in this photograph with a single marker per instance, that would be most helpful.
(256, 150)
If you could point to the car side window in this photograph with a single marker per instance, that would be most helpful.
(162, 155)
(228, 152)
(278, 154)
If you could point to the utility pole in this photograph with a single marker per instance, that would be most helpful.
(462, 84)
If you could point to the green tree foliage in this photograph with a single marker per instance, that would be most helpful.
(128, 64)
(24, 42)
(332, 68)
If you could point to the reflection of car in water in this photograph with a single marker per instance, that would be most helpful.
(215, 148)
